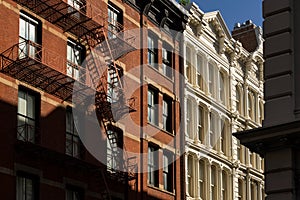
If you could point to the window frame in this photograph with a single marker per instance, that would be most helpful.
(211, 79)
(222, 87)
(224, 185)
(72, 136)
(74, 64)
(167, 114)
(75, 191)
(153, 154)
(19, 185)
(199, 71)
(200, 124)
(213, 128)
(152, 100)
(188, 64)
(223, 135)
(30, 129)
(32, 49)
(190, 176)
(114, 19)
(167, 171)
(213, 183)
(201, 179)
(152, 52)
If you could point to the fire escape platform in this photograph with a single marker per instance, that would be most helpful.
(68, 18)
(43, 77)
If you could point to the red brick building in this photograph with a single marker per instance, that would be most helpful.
(46, 50)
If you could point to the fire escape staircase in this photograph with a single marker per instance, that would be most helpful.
(89, 27)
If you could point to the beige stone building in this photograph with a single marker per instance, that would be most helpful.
(224, 94)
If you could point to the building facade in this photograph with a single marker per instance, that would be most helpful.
(48, 48)
(224, 94)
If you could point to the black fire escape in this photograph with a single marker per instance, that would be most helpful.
(33, 64)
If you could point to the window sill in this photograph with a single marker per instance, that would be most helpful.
(161, 190)
(159, 128)
(157, 69)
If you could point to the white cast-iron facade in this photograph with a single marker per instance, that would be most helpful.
(224, 94)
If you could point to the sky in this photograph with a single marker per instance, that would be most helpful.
(234, 11)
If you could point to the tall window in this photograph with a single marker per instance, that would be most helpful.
(167, 172)
(200, 124)
(238, 100)
(254, 190)
(224, 186)
(212, 130)
(74, 193)
(115, 20)
(201, 179)
(189, 117)
(167, 114)
(211, 78)
(152, 161)
(213, 183)
(72, 138)
(152, 50)
(199, 70)
(221, 87)
(241, 195)
(152, 110)
(188, 63)
(167, 62)
(190, 176)
(261, 113)
(28, 31)
(27, 115)
(251, 106)
(26, 188)
(74, 59)
(239, 154)
(223, 136)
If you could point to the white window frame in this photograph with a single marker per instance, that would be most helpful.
(199, 71)
(152, 51)
(222, 86)
(201, 179)
(213, 183)
(74, 59)
(28, 31)
(152, 106)
(114, 21)
(200, 123)
(211, 79)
